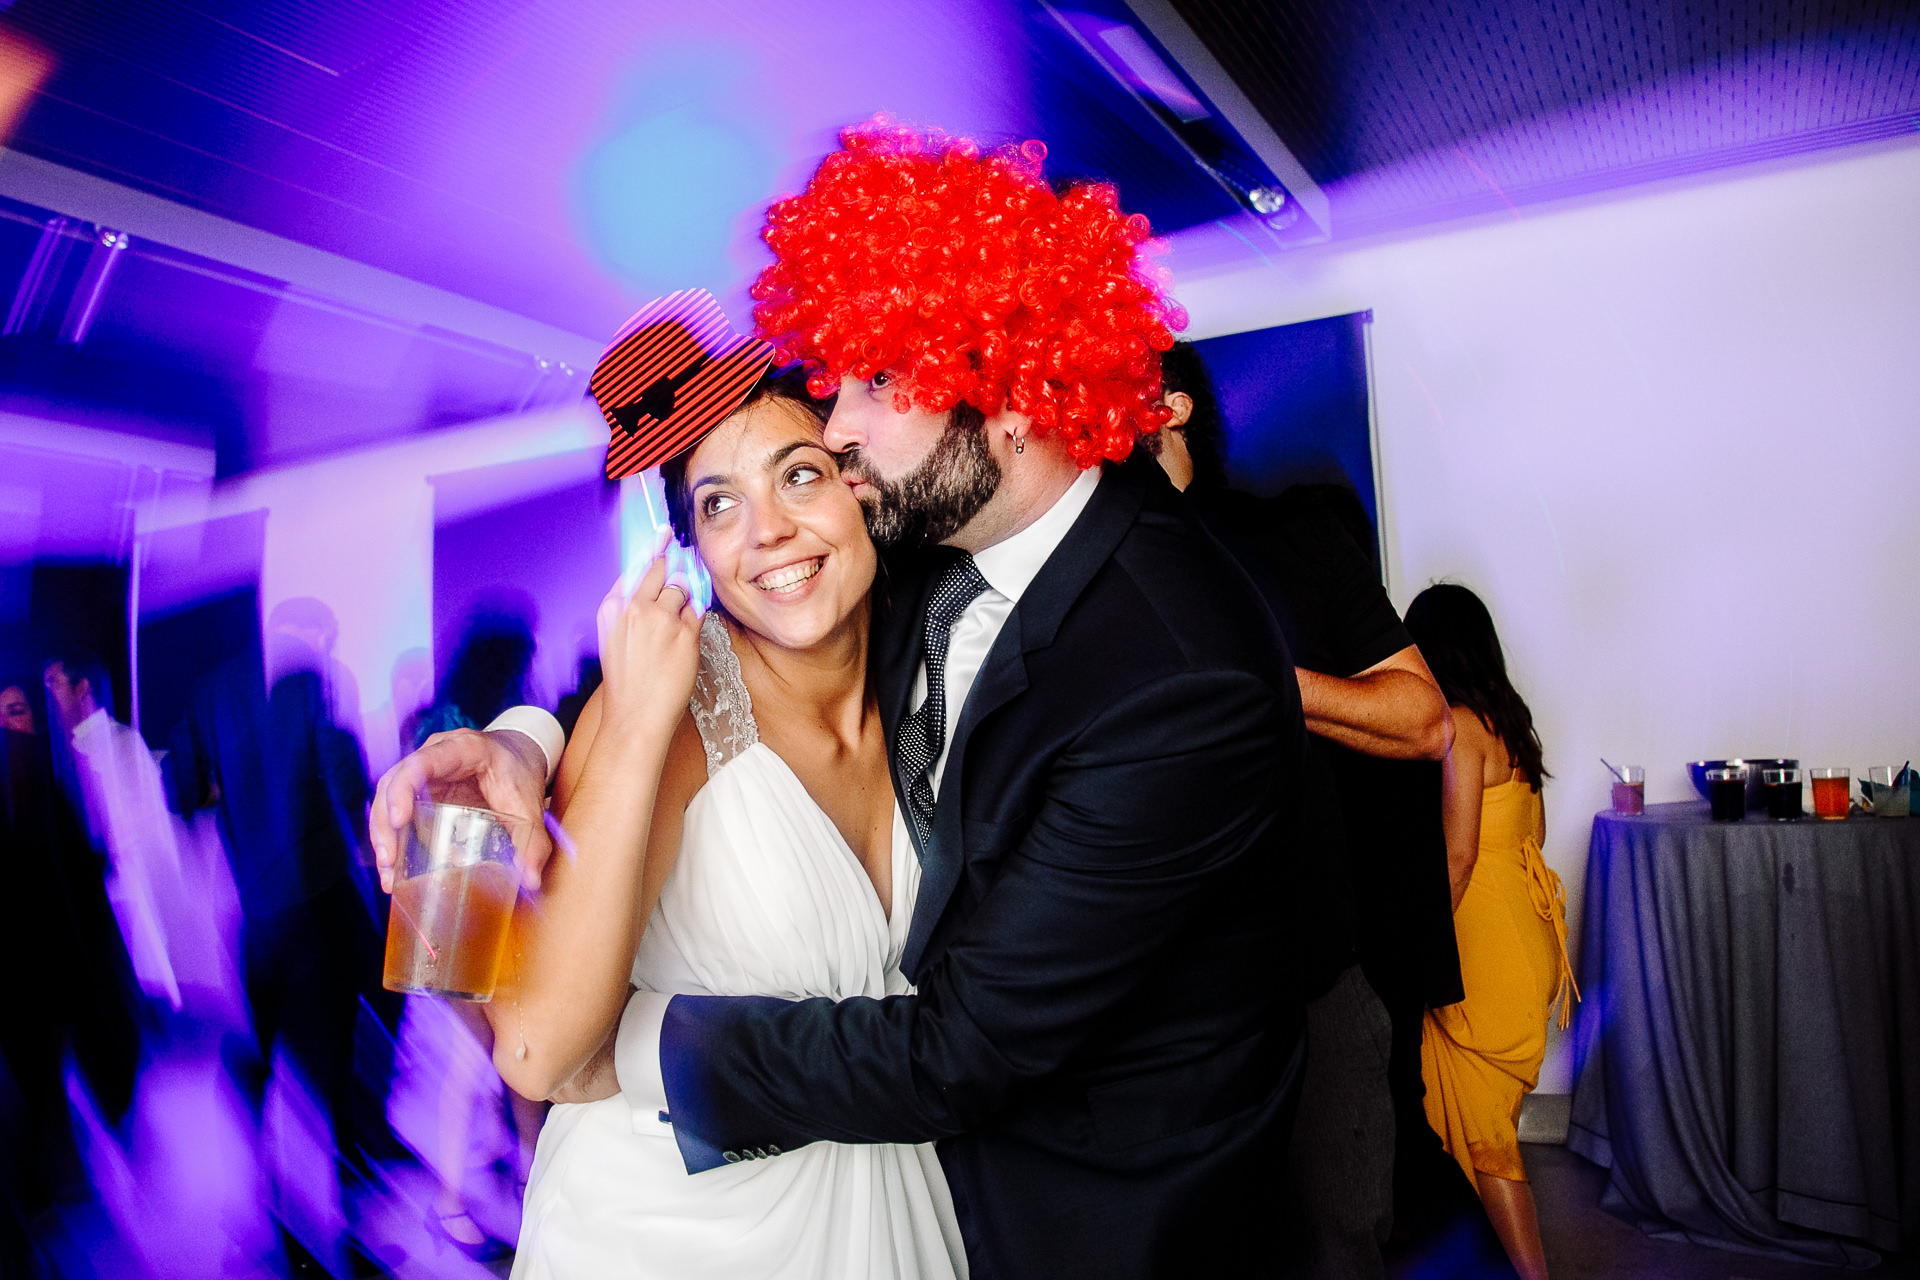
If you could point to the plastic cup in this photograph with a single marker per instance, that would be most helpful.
(1890, 791)
(1832, 790)
(1630, 790)
(1784, 800)
(447, 931)
(1727, 793)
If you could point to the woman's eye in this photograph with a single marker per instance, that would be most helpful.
(713, 504)
(880, 381)
(806, 473)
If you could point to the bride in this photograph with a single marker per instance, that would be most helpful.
(728, 800)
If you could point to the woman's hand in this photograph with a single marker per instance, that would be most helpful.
(649, 651)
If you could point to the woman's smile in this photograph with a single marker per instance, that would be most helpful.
(790, 581)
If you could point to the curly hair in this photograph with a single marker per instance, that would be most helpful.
(973, 281)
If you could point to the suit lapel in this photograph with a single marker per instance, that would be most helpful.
(893, 653)
(1034, 622)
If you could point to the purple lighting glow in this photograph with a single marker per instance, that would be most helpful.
(300, 304)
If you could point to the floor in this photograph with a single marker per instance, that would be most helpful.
(1586, 1243)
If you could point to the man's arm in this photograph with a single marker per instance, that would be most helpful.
(1168, 789)
(1393, 709)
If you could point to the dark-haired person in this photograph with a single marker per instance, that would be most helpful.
(1480, 1057)
(488, 674)
(70, 996)
(16, 710)
(124, 801)
(735, 835)
(1377, 939)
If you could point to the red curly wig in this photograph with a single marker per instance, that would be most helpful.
(968, 277)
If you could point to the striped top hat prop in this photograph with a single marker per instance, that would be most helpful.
(674, 373)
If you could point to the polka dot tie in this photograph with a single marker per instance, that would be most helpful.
(924, 733)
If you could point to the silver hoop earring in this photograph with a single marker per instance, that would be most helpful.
(1019, 444)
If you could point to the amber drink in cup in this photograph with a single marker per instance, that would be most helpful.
(1630, 789)
(1832, 790)
(1784, 801)
(447, 931)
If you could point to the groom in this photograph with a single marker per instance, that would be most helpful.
(1095, 738)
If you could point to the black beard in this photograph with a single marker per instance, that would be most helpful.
(936, 499)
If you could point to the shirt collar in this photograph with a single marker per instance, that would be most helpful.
(87, 729)
(1009, 566)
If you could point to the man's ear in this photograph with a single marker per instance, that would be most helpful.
(1182, 405)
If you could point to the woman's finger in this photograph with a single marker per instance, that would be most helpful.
(655, 549)
(647, 590)
(676, 595)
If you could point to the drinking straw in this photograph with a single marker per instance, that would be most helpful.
(432, 955)
(1615, 772)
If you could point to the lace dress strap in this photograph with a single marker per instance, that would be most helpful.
(722, 708)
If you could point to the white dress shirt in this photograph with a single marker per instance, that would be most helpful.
(127, 813)
(538, 724)
(1009, 567)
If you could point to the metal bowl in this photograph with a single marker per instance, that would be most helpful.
(1756, 789)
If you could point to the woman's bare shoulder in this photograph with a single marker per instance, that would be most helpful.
(1473, 739)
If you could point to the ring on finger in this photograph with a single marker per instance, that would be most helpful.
(686, 596)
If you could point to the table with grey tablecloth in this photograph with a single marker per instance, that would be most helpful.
(1748, 1050)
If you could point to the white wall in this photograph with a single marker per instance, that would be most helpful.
(355, 530)
(1670, 438)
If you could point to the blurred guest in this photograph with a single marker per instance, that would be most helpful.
(574, 703)
(448, 1104)
(487, 675)
(16, 710)
(125, 805)
(1480, 1057)
(289, 787)
(1377, 723)
(301, 633)
(69, 989)
(410, 688)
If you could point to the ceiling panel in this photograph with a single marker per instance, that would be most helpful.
(561, 160)
(1411, 110)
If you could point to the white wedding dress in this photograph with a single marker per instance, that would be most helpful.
(766, 898)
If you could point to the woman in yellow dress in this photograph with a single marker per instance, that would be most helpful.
(1480, 1057)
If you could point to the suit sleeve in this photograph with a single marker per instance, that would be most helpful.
(1168, 787)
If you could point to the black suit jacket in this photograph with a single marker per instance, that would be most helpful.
(1104, 1040)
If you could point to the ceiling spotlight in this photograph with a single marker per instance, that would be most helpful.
(1267, 200)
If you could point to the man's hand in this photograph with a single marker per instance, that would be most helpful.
(503, 771)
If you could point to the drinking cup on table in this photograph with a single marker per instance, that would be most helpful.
(453, 902)
(1889, 790)
(1727, 793)
(1630, 790)
(1832, 789)
(1784, 801)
